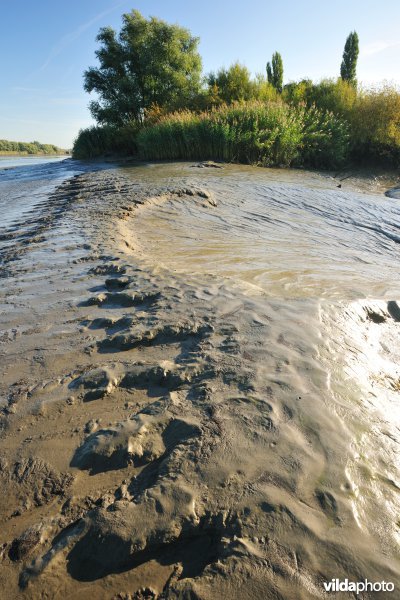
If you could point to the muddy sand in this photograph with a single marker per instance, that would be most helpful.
(167, 434)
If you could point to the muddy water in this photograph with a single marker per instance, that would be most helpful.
(292, 234)
(328, 256)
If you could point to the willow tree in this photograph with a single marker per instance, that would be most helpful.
(348, 67)
(275, 71)
(149, 62)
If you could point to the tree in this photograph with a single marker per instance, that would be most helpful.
(270, 76)
(149, 62)
(275, 71)
(350, 56)
(233, 84)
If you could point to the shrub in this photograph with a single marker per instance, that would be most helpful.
(326, 139)
(337, 96)
(375, 126)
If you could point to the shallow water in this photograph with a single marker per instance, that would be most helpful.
(9, 162)
(25, 183)
(291, 234)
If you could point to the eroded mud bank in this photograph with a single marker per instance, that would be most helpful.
(172, 435)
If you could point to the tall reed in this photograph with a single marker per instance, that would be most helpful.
(263, 133)
(104, 140)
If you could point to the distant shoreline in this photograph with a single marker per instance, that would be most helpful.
(26, 154)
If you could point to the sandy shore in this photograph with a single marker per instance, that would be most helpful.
(161, 436)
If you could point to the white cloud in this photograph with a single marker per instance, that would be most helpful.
(378, 46)
(69, 38)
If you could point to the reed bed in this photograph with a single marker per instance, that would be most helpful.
(266, 134)
(104, 140)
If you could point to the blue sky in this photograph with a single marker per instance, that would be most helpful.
(45, 46)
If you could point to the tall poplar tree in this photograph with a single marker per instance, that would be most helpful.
(275, 71)
(350, 55)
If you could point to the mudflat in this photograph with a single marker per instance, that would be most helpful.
(172, 430)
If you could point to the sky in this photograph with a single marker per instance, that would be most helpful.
(45, 46)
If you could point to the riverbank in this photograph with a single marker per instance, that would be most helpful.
(36, 154)
(167, 433)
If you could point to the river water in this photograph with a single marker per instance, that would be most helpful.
(291, 234)
(26, 182)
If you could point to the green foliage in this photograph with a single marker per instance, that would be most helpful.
(375, 126)
(149, 62)
(270, 76)
(263, 90)
(350, 55)
(275, 72)
(268, 134)
(326, 138)
(296, 92)
(105, 140)
(28, 148)
(373, 115)
(337, 96)
(236, 85)
(150, 93)
(230, 85)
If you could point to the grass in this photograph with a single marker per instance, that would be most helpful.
(262, 133)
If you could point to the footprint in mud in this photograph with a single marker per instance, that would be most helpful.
(117, 283)
(167, 334)
(137, 442)
(122, 299)
(157, 379)
(108, 270)
(99, 383)
(154, 376)
(191, 551)
(328, 504)
(164, 528)
(113, 324)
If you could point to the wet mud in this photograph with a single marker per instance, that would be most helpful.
(174, 432)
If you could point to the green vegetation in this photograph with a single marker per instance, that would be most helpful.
(233, 85)
(153, 103)
(275, 71)
(106, 140)
(148, 63)
(230, 85)
(373, 115)
(7, 147)
(267, 134)
(350, 55)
